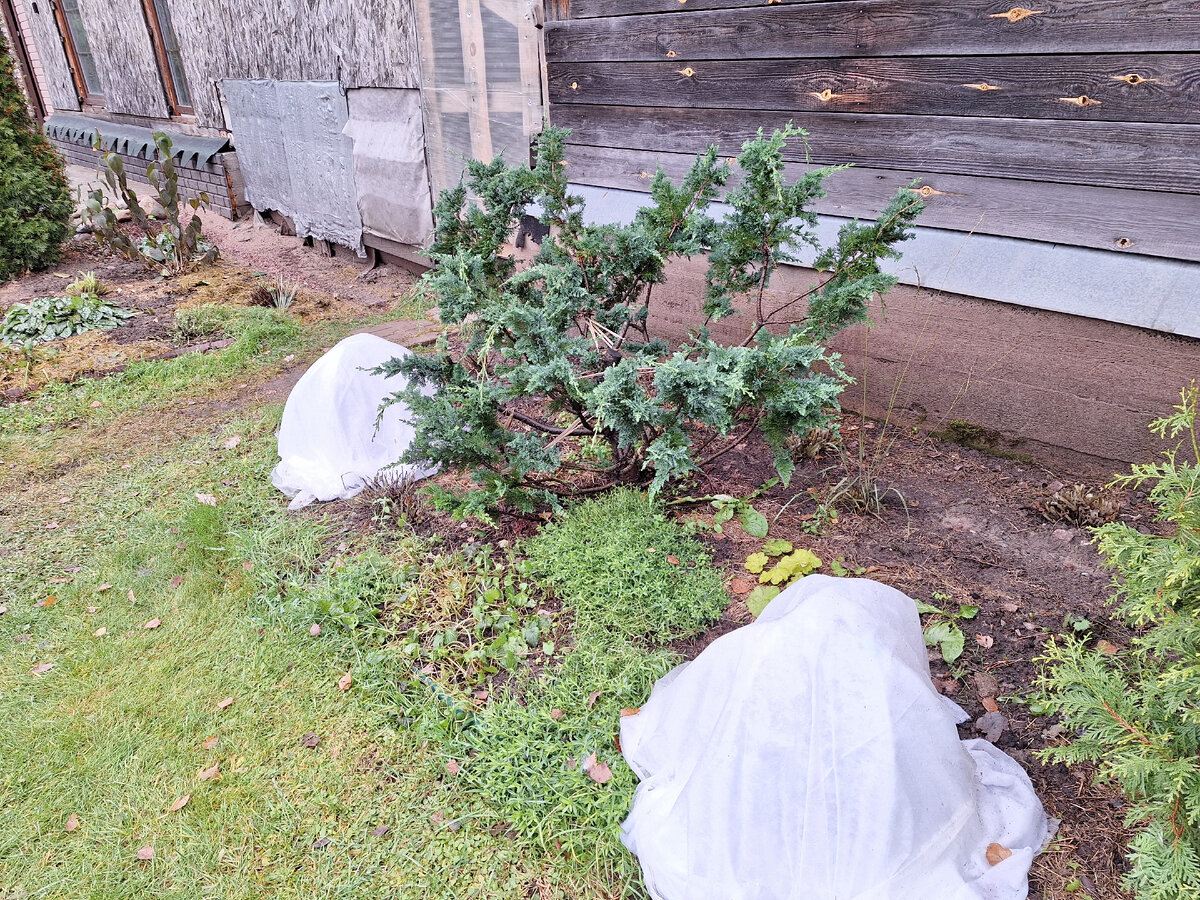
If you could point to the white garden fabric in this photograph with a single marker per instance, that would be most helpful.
(808, 757)
(329, 442)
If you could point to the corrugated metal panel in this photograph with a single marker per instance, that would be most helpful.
(294, 155)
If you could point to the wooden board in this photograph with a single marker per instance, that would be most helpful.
(881, 28)
(1127, 155)
(125, 58)
(61, 91)
(1143, 222)
(587, 9)
(1149, 87)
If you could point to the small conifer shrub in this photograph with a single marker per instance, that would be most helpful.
(562, 390)
(1136, 711)
(35, 199)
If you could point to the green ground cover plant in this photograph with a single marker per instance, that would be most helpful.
(35, 199)
(1133, 710)
(561, 390)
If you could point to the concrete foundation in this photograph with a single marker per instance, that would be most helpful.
(1062, 389)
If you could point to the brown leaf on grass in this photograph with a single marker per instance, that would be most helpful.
(41, 668)
(380, 831)
(556, 714)
(1108, 647)
(225, 704)
(132, 598)
(61, 580)
(345, 681)
(309, 739)
(315, 630)
(717, 537)
(3, 610)
(145, 854)
(990, 704)
(212, 773)
(588, 761)
(100, 632)
(47, 601)
(91, 610)
(321, 843)
(248, 565)
(985, 641)
(997, 853)
(600, 773)
(152, 624)
(627, 712)
(481, 696)
(740, 587)
(592, 698)
(206, 499)
(673, 559)
(176, 582)
(72, 822)
(100, 589)
(50, 526)
(232, 442)
(209, 742)
(453, 767)
(180, 803)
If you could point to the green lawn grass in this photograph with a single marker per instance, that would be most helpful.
(100, 513)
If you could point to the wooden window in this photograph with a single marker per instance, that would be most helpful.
(79, 51)
(170, 61)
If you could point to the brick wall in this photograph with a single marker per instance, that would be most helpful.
(220, 177)
(39, 73)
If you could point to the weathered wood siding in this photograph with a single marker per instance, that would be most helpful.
(120, 42)
(364, 43)
(60, 87)
(1077, 122)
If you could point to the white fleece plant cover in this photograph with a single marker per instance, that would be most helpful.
(329, 445)
(808, 757)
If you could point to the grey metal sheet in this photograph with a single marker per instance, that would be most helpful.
(389, 163)
(1146, 291)
(294, 157)
(133, 140)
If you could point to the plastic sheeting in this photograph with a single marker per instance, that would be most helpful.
(329, 442)
(808, 757)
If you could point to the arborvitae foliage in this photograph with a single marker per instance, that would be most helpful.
(562, 390)
(1137, 713)
(35, 200)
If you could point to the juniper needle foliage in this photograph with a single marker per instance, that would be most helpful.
(561, 388)
(1137, 713)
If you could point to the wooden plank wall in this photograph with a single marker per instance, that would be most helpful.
(1077, 122)
(60, 87)
(364, 43)
(125, 60)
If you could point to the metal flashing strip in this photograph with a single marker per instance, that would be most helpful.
(1143, 291)
(133, 140)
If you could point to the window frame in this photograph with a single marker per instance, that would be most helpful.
(87, 97)
(164, 64)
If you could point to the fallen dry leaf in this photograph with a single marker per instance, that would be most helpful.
(588, 761)
(50, 526)
(153, 623)
(321, 843)
(1010, 607)
(1108, 647)
(47, 601)
(600, 773)
(60, 580)
(132, 597)
(102, 588)
(556, 714)
(100, 632)
(481, 695)
(145, 854)
(248, 565)
(95, 404)
(344, 682)
(740, 587)
(625, 713)
(3, 610)
(176, 582)
(72, 822)
(225, 704)
(990, 704)
(315, 630)
(380, 831)
(92, 609)
(206, 499)
(211, 773)
(232, 442)
(985, 641)
(997, 854)
(592, 698)
(452, 767)
(180, 803)
(209, 742)
(310, 740)
(41, 668)
(672, 559)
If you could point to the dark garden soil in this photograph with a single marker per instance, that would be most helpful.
(958, 524)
